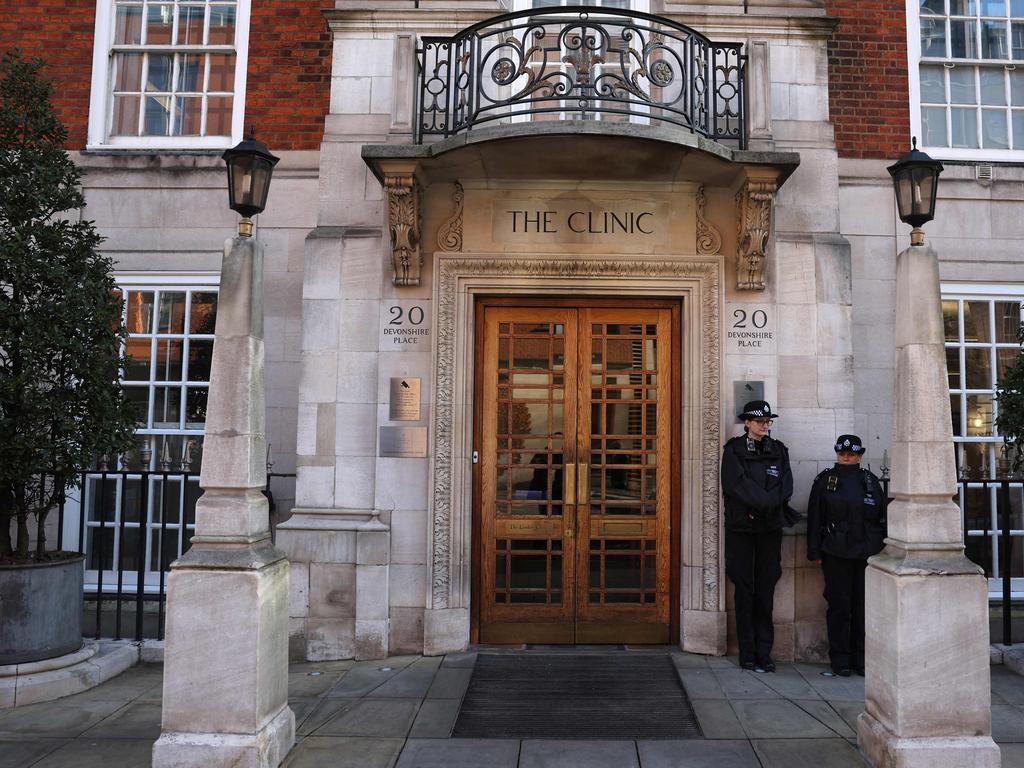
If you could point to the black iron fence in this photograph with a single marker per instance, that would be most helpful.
(132, 524)
(583, 63)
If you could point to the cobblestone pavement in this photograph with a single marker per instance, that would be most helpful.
(399, 713)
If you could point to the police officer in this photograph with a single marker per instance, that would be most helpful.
(756, 484)
(845, 526)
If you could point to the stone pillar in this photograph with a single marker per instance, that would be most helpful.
(225, 700)
(927, 700)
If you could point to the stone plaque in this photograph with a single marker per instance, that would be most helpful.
(403, 442)
(750, 329)
(405, 325)
(404, 404)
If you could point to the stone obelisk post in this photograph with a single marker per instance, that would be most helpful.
(927, 687)
(225, 699)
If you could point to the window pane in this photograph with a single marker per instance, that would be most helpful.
(200, 358)
(128, 72)
(167, 407)
(933, 89)
(190, 72)
(168, 360)
(1007, 321)
(962, 8)
(962, 86)
(993, 40)
(1004, 359)
(1018, 129)
(1017, 8)
(204, 313)
(976, 321)
(222, 72)
(128, 25)
(953, 366)
(140, 312)
(1017, 87)
(954, 405)
(222, 25)
(158, 77)
(933, 125)
(139, 352)
(125, 120)
(138, 401)
(963, 40)
(190, 25)
(933, 7)
(195, 407)
(993, 129)
(188, 115)
(979, 415)
(965, 127)
(933, 37)
(1017, 39)
(993, 87)
(159, 24)
(949, 320)
(993, 7)
(979, 368)
(172, 312)
(218, 116)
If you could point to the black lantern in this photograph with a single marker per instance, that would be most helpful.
(916, 179)
(250, 166)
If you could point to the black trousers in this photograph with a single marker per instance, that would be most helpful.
(753, 563)
(844, 591)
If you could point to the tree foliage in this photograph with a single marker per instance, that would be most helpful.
(60, 316)
(1010, 396)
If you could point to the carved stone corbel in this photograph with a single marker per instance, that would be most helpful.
(403, 194)
(709, 241)
(753, 224)
(449, 235)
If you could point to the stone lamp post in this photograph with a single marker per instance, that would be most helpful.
(927, 687)
(225, 699)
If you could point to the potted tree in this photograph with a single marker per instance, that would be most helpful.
(1010, 421)
(60, 354)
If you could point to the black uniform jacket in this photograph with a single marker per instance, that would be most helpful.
(756, 483)
(846, 514)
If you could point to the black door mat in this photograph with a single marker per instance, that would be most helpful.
(620, 695)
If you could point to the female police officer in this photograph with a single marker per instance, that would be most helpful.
(845, 526)
(756, 483)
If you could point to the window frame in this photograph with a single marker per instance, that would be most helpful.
(961, 292)
(101, 96)
(914, 88)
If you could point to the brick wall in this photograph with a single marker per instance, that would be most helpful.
(869, 100)
(289, 64)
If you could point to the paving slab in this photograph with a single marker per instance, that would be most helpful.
(130, 684)
(823, 712)
(848, 710)
(849, 688)
(343, 752)
(1007, 722)
(21, 754)
(366, 676)
(723, 662)
(388, 718)
(559, 753)
(342, 665)
(789, 683)
(717, 720)
(100, 753)
(684, 660)
(323, 711)
(741, 684)
(315, 683)
(137, 720)
(701, 684)
(1008, 685)
(412, 682)
(463, 659)
(696, 754)
(450, 683)
(819, 753)
(64, 719)
(777, 719)
(303, 708)
(435, 719)
(459, 753)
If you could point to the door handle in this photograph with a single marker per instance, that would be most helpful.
(583, 483)
(569, 486)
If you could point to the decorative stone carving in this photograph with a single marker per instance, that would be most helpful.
(403, 194)
(444, 563)
(449, 235)
(753, 224)
(709, 241)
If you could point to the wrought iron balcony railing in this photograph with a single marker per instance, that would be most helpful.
(581, 63)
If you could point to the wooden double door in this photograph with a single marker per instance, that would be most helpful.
(575, 483)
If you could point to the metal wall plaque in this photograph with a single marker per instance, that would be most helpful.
(404, 404)
(403, 442)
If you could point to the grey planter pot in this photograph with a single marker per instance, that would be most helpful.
(40, 610)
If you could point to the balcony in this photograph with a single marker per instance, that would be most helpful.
(580, 63)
